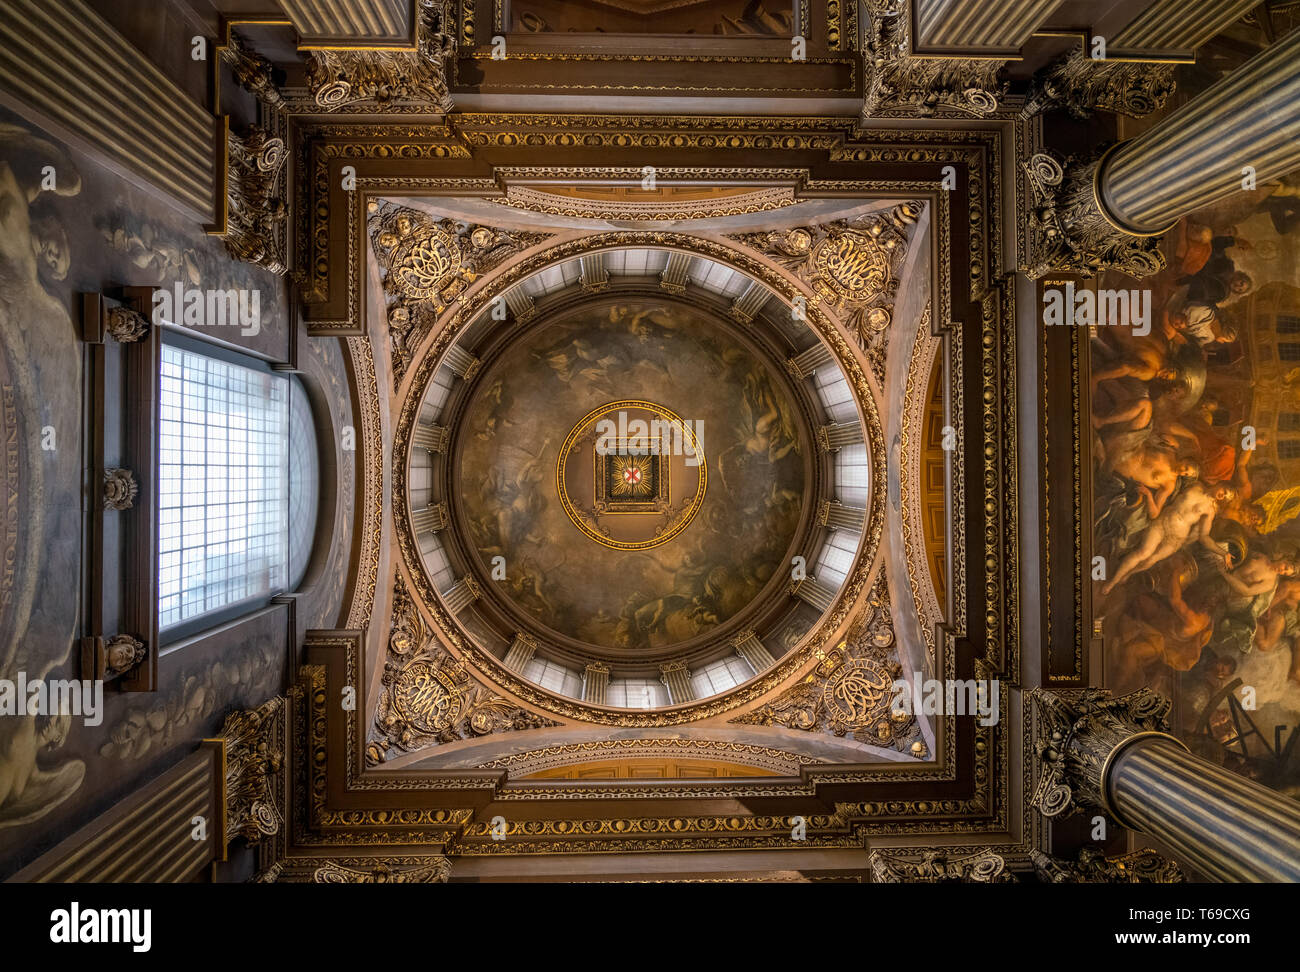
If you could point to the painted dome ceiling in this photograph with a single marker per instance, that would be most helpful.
(611, 571)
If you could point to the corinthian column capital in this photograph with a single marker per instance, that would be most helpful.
(1077, 737)
(1070, 227)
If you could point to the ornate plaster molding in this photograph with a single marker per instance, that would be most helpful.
(429, 697)
(1083, 85)
(428, 264)
(255, 742)
(939, 867)
(1094, 867)
(437, 871)
(257, 216)
(851, 690)
(853, 266)
(126, 325)
(895, 81)
(252, 72)
(120, 489)
(380, 80)
(1076, 735)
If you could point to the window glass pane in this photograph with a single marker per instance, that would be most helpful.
(223, 485)
(852, 473)
(718, 676)
(636, 693)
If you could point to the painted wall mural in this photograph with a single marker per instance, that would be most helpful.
(67, 226)
(1196, 489)
(633, 349)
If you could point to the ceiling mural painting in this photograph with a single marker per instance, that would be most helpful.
(717, 517)
(658, 442)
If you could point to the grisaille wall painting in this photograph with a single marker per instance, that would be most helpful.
(65, 227)
(688, 365)
(1196, 449)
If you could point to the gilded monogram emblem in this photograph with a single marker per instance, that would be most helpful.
(428, 698)
(851, 692)
(853, 264)
(424, 700)
(423, 264)
(858, 695)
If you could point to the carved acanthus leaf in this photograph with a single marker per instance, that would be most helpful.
(255, 748)
(936, 867)
(252, 71)
(1094, 867)
(255, 230)
(1082, 85)
(1075, 735)
(897, 81)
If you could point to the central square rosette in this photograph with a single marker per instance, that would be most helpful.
(631, 474)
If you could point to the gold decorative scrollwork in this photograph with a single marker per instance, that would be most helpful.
(429, 697)
(852, 265)
(428, 264)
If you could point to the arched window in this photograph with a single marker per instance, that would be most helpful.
(228, 478)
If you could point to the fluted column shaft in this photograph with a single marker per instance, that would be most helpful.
(461, 362)
(521, 652)
(840, 517)
(461, 595)
(430, 437)
(805, 363)
(596, 683)
(1228, 827)
(998, 24)
(753, 651)
(811, 591)
(431, 519)
(1196, 156)
(678, 679)
(1114, 754)
(836, 436)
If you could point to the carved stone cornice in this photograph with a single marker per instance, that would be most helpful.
(427, 264)
(1082, 85)
(851, 690)
(256, 212)
(254, 755)
(1069, 232)
(895, 81)
(429, 697)
(1094, 867)
(1075, 738)
(382, 80)
(936, 867)
(252, 72)
(437, 871)
(852, 266)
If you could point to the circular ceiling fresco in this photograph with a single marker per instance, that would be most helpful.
(640, 467)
